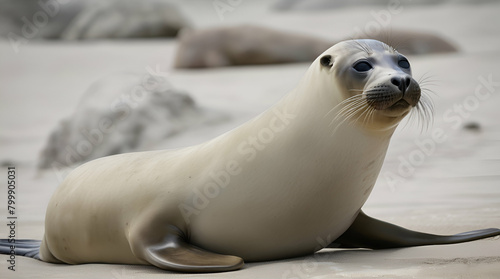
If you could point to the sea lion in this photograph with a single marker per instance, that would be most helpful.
(255, 45)
(414, 42)
(298, 172)
(244, 45)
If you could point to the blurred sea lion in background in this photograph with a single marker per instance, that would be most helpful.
(245, 45)
(255, 45)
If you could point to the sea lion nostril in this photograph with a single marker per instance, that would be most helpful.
(396, 81)
(407, 82)
(401, 82)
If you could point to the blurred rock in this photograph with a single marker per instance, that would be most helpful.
(472, 126)
(90, 19)
(29, 19)
(126, 19)
(122, 113)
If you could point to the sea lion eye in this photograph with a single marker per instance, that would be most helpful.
(403, 63)
(326, 61)
(362, 66)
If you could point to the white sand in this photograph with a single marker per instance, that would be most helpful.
(455, 188)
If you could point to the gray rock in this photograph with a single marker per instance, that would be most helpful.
(126, 19)
(44, 19)
(90, 19)
(122, 113)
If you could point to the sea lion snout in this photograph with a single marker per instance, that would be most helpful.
(409, 90)
(397, 91)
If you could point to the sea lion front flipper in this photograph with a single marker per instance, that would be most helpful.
(174, 253)
(367, 232)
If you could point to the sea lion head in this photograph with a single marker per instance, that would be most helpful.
(374, 81)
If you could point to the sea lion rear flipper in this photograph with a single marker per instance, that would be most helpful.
(367, 232)
(21, 247)
(174, 253)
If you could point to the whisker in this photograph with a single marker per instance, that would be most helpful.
(425, 112)
(372, 114)
(368, 115)
(427, 77)
(349, 107)
(345, 114)
(422, 119)
(343, 103)
(427, 90)
(354, 110)
(364, 47)
(427, 80)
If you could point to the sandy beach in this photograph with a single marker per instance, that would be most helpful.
(443, 179)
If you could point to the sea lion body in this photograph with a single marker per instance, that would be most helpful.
(287, 183)
(281, 209)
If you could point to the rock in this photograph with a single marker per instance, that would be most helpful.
(90, 19)
(126, 19)
(122, 113)
(472, 126)
(29, 19)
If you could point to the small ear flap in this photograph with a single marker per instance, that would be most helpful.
(326, 61)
